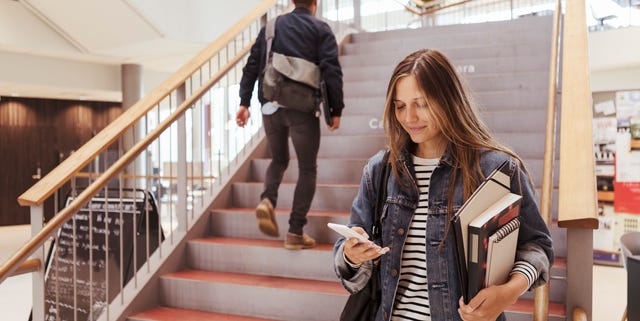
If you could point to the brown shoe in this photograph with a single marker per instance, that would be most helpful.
(298, 242)
(267, 218)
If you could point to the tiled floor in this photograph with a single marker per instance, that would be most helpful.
(15, 293)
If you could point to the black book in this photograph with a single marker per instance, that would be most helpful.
(494, 187)
(480, 229)
(326, 109)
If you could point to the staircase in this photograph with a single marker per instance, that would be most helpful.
(235, 273)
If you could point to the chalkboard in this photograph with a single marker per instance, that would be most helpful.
(79, 292)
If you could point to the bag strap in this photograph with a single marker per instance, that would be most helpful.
(381, 197)
(270, 33)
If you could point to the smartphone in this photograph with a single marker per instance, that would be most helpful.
(347, 232)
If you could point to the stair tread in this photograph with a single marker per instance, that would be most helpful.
(317, 185)
(261, 281)
(171, 314)
(282, 211)
(257, 242)
(526, 306)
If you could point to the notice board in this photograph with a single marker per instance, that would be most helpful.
(81, 291)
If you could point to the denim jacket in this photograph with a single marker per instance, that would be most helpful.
(534, 240)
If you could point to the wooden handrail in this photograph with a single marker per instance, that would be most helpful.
(66, 213)
(541, 298)
(28, 266)
(44, 188)
(579, 315)
(151, 176)
(577, 204)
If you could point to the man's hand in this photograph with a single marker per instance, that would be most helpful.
(242, 116)
(336, 123)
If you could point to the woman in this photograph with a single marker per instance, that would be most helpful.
(440, 152)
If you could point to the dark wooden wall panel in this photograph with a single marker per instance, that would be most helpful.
(36, 132)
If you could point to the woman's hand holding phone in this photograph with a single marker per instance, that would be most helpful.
(358, 248)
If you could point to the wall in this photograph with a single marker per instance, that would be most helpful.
(33, 132)
(614, 58)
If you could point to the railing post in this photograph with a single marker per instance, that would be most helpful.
(37, 277)
(357, 18)
(181, 204)
(226, 118)
(132, 91)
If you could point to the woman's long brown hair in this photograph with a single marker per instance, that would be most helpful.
(455, 114)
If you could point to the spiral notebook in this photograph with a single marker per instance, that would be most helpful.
(501, 253)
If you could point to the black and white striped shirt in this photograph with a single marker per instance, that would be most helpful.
(412, 298)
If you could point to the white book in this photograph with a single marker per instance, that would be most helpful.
(501, 253)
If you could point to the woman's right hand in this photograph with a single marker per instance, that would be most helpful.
(358, 252)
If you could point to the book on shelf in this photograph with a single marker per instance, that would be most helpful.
(495, 186)
(501, 253)
(498, 215)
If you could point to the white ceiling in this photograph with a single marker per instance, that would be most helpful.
(73, 49)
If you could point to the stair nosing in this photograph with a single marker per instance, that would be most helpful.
(293, 284)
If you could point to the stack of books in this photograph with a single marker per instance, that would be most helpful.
(486, 233)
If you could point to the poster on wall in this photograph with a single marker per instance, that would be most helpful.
(605, 131)
(627, 175)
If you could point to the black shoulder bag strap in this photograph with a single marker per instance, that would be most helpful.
(363, 305)
(380, 199)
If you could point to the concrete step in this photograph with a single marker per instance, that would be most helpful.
(260, 296)
(491, 100)
(242, 223)
(523, 24)
(266, 257)
(559, 237)
(557, 284)
(358, 125)
(519, 311)
(523, 311)
(349, 171)
(504, 121)
(328, 197)
(372, 106)
(350, 147)
(330, 170)
(444, 41)
(511, 99)
(511, 121)
(535, 167)
(173, 314)
(527, 145)
(393, 56)
(531, 80)
(471, 66)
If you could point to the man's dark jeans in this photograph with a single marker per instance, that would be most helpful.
(304, 130)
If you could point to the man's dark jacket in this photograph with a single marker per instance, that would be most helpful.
(297, 34)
